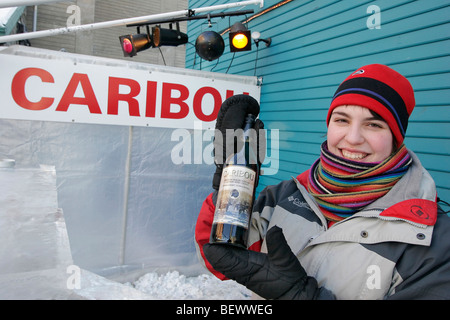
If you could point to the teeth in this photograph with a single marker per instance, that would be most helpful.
(353, 156)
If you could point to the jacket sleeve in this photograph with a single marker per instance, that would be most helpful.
(203, 231)
(424, 272)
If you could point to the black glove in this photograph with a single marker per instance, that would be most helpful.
(232, 115)
(276, 275)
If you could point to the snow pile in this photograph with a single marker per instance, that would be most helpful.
(175, 286)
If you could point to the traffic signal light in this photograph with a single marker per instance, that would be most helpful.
(239, 38)
(133, 43)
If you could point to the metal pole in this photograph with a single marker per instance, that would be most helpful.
(18, 3)
(121, 22)
(35, 18)
(125, 197)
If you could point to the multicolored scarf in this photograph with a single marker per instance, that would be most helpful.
(342, 187)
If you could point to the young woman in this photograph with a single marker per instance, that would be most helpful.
(361, 223)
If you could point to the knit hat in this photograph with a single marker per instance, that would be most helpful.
(382, 90)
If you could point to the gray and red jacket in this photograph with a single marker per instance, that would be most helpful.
(398, 247)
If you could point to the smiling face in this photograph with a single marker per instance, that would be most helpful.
(355, 133)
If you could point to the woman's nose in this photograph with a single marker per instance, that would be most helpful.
(354, 134)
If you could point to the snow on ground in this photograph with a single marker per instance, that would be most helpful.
(174, 285)
(153, 286)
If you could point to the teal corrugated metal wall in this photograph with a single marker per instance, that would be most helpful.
(316, 44)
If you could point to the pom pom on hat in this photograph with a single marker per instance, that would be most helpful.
(382, 90)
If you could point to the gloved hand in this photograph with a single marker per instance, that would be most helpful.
(232, 115)
(276, 275)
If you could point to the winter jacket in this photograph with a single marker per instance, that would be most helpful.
(398, 247)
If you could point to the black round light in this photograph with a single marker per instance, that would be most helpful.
(209, 45)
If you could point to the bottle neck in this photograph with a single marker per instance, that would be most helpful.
(244, 153)
(248, 140)
(249, 122)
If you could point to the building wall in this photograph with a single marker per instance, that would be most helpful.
(316, 44)
(103, 42)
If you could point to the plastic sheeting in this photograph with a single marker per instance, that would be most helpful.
(128, 208)
(130, 195)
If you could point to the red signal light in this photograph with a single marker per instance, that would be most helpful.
(133, 43)
(127, 45)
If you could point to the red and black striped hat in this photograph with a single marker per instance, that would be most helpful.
(381, 89)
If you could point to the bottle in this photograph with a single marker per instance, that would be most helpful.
(236, 192)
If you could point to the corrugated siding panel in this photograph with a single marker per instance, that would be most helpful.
(316, 44)
(51, 16)
(105, 42)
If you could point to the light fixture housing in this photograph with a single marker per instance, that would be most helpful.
(209, 45)
(133, 43)
(239, 38)
(256, 36)
(168, 37)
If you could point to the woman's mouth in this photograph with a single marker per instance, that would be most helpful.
(353, 155)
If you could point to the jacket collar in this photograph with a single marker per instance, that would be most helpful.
(413, 198)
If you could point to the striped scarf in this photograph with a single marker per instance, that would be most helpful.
(342, 187)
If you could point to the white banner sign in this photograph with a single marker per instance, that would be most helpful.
(91, 91)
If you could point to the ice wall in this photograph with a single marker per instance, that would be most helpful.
(34, 251)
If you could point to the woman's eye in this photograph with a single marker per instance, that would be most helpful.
(375, 125)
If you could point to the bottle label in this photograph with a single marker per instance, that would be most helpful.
(234, 201)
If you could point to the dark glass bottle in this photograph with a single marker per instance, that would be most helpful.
(236, 192)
